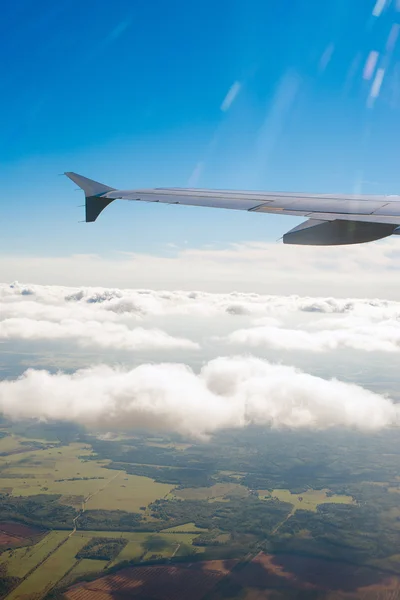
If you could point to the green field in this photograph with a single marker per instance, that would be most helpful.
(41, 471)
(186, 528)
(50, 572)
(84, 567)
(81, 481)
(69, 473)
(10, 443)
(63, 566)
(217, 491)
(20, 561)
(308, 500)
(232, 474)
(128, 492)
(133, 550)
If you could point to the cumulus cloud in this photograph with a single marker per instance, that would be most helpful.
(108, 318)
(56, 302)
(92, 333)
(228, 392)
(369, 337)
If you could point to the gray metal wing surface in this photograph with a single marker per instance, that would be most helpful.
(332, 219)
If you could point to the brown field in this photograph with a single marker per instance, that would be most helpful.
(266, 576)
(19, 529)
(15, 534)
(267, 573)
(159, 582)
(8, 540)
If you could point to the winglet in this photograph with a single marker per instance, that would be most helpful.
(94, 191)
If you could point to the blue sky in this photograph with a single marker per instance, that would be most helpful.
(131, 93)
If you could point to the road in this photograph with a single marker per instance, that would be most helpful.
(89, 497)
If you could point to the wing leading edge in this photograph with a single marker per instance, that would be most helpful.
(332, 218)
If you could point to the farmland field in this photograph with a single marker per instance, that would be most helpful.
(13, 535)
(63, 560)
(50, 571)
(52, 471)
(308, 500)
(85, 566)
(20, 561)
(128, 492)
(136, 536)
(70, 474)
(161, 582)
(219, 490)
(132, 550)
(63, 566)
(10, 443)
(165, 505)
(291, 576)
(186, 528)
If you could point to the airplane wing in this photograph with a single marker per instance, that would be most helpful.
(332, 219)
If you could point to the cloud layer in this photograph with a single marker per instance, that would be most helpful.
(347, 271)
(228, 392)
(123, 319)
(55, 302)
(233, 391)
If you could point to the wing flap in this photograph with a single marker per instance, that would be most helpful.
(338, 232)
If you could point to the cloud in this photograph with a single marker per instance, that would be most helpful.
(264, 268)
(55, 303)
(358, 335)
(108, 318)
(92, 333)
(228, 392)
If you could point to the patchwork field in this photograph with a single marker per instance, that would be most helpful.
(306, 500)
(47, 574)
(22, 560)
(170, 556)
(53, 560)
